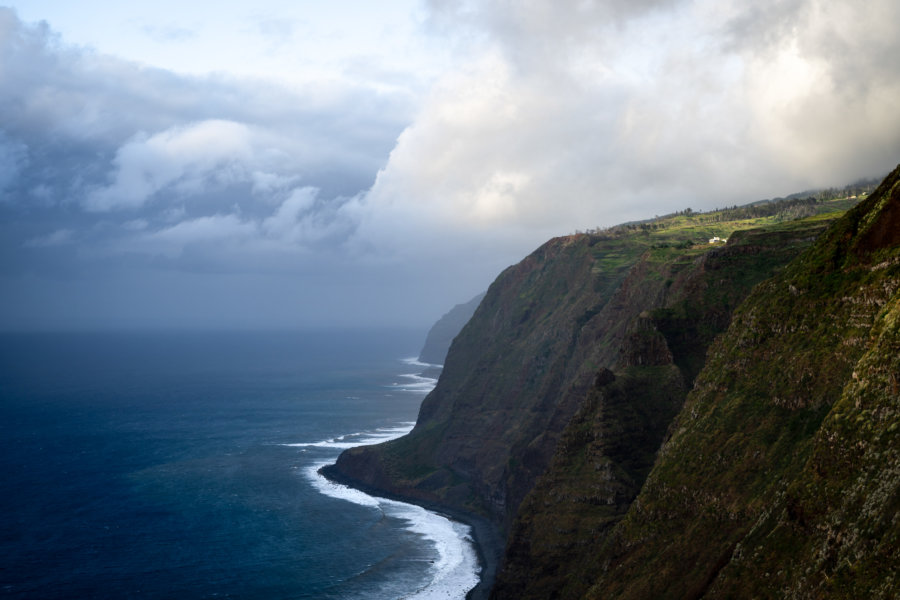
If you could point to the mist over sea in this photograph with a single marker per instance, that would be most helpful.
(161, 465)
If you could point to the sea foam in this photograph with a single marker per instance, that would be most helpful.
(361, 438)
(417, 363)
(418, 383)
(456, 570)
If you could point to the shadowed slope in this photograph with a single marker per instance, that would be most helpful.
(781, 476)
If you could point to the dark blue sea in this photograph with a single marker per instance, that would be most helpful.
(183, 465)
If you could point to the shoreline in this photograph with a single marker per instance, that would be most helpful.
(486, 537)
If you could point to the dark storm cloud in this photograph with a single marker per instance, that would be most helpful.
(83, 130)
(13, 159)
(76, 112)
(116, 177)
(552, 117)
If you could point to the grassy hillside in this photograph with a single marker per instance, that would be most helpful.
(641, 302)
(610, 444)
(780, 479)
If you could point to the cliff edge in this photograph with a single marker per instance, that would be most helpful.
(558, 393)
(443, 332)
(781, 478)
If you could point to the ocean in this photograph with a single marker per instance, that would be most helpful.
(183, 465)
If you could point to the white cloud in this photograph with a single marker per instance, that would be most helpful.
(184, 158)
(572, 115)
(203, 234)
(302, 224)
(283, 223)
(825, 95)
(554, 116)
(271, 184)
(111, 134)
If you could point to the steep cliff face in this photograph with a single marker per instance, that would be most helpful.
(511, 381)
(610, 444)
(557, 395)
(442, 333)
(523, 365)
(782, 475)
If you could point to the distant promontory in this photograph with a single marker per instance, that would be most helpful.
(647, 411)
(441, 334)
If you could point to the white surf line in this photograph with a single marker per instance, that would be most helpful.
(454, 573)
(420, 383)
(417, 363)
(361, 438)
(457, 570)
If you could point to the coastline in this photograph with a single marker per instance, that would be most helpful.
(489, 544)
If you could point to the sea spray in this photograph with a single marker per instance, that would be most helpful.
(456, 569)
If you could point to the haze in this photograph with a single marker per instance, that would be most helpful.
(292, 164)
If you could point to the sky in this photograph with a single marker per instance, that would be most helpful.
(289, 164)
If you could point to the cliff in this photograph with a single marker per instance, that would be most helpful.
(594, 352)
(781, 478)
(609, 446)
(442, 333)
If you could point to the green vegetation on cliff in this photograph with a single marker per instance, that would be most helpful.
(576, 367)
(781, 476)
(593, 478)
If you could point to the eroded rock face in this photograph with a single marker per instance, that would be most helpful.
(558, 394)
(512, 380)
(610, 444)
(599, 465)
(782, 475)
(442, 333)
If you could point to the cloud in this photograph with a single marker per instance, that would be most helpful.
(136, 174)
(185, 159)
(825, 94)
(279, 30)
(556, 117)
(13, 158)
(304, 221)
(111, 133)
(552, 117)
(60, 237)
(302, 232)
(578, 114)
(212, 230)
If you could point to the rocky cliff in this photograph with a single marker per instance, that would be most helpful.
(781, 478)
(610, 444)
(442, 333)
(575, 369)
